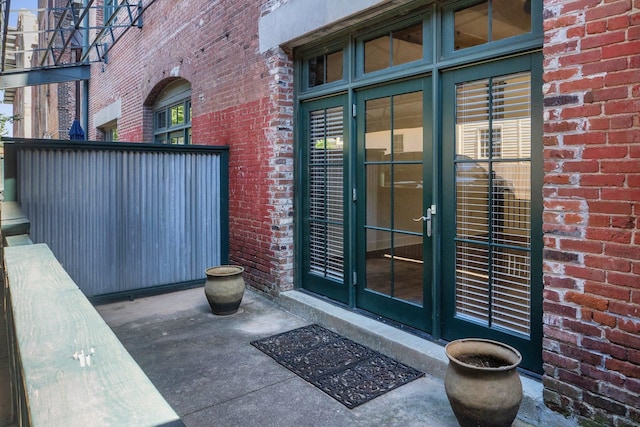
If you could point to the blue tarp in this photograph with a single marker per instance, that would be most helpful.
(76, 132)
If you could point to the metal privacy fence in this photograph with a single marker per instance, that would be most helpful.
(123, 218)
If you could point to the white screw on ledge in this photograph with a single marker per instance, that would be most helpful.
(84, 359)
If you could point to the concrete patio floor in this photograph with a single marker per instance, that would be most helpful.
(207, 370)
(209, 373)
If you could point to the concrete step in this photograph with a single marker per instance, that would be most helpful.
(408, 348)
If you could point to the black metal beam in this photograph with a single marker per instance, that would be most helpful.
(44, 76)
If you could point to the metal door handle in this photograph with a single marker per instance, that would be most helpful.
(427, 219)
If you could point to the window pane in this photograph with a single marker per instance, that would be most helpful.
(472, 281)
(472, 119)
(325, 69)
(472, 196)
(378, 128)
(396, 48)
(471, 26)
(177, 115)
(511, 103)
(511, 203)
(334, 67)
(161, 119)
(376, 54)
(407, 45)
(511, 290)
(316, 71)
(510, 19)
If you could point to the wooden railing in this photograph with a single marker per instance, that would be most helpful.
(67, 367)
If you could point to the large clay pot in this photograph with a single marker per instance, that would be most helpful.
(482, 383)
(224, 288)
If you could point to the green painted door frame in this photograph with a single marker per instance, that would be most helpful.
(388, 303)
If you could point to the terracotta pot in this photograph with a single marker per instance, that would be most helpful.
(482, 383)
(224, 288)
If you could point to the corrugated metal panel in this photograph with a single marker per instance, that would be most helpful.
(124, 220)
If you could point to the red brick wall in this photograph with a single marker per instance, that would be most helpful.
(240, 98)
(591, 343)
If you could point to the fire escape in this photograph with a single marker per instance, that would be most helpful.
(69, 35)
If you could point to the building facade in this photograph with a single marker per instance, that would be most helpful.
(45, 111)
(23, 99)
(459, 168)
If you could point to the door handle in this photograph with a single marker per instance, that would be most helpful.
(426, 219)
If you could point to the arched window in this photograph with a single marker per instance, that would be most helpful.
(172, 114)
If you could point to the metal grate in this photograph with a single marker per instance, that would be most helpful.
(326, 193)
(493, 199)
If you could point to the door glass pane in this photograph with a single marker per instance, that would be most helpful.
(326, 132)
(493, 201)
(394, 194)
(472, 197)
(378, 141)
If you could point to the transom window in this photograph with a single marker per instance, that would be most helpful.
(489, 21)
(325, 68)
(172, 114)
(394, 48)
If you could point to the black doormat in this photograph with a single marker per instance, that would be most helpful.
(347, 371)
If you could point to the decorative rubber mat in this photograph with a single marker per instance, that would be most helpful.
(347, 371)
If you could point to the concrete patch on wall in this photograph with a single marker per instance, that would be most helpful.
(108, 114)
(295, 22)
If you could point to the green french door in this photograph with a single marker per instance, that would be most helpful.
(491, 222)
(414, 224)
(394, 218)
(324, 184)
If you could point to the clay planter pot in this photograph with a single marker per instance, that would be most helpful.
(482, 383)
(224, 288)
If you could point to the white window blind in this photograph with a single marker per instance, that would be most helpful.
(493, 203)
(326, 193)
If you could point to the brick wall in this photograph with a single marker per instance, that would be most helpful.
(240, 98)
(591, 342)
